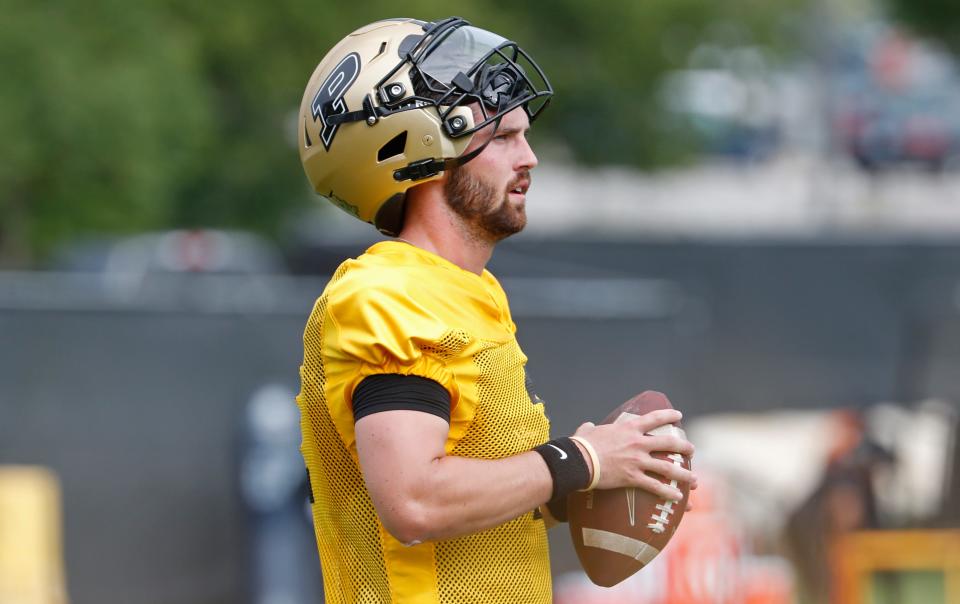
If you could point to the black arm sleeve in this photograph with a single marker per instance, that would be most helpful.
(392, 391)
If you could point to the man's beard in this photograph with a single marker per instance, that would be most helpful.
(485, 210)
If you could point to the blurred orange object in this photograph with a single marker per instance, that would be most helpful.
(766, 580)
(704, 556)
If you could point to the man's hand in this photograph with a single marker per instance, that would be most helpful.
(625, 449)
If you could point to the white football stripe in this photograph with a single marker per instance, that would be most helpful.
(621, 544)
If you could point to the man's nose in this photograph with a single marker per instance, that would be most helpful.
(528, 159)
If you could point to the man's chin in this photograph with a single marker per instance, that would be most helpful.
(503, 228)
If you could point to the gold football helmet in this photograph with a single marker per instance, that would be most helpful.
(392, 106)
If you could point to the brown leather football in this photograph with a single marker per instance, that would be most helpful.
(617, 532)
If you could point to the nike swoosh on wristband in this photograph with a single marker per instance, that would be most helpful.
(563, 454)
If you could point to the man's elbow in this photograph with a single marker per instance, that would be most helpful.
(409, 523)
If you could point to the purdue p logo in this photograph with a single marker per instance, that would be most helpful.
(329, 98)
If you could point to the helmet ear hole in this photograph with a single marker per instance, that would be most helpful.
(393, 147)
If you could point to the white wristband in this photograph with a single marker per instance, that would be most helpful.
(594, 460)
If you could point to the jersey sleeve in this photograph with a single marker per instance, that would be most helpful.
(381, 330)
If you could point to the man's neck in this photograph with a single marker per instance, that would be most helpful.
(431, 225)
(460, 248)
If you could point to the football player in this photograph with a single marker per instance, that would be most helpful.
(432, 470)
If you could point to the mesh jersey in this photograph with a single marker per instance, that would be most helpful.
(399, 309)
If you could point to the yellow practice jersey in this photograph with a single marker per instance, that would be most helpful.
(400, 309)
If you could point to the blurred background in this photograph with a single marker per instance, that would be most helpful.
(751, 206)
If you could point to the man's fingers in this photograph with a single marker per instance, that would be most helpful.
(663, 490)
(671, 471)
(669, 444)
(655, 419)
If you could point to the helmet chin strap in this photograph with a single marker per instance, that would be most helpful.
(420, 170)
(426, 168)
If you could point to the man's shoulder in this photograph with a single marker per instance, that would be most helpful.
(397, 280)
(375, 276)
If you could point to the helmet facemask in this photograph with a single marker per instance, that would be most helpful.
(456, 64)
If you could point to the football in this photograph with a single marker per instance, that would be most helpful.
(617, 532)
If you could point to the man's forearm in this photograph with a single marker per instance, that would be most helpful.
(460, 495)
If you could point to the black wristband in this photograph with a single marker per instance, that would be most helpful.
(567, 466)
(558, 509)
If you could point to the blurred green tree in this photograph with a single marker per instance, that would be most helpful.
(102, 120)
(937, 18)
(122, 116)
